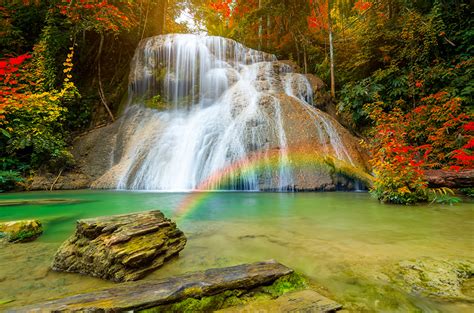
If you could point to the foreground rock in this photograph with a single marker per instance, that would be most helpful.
(177, 293)
(21, 231)
(436, 278)
(450, 179)
(300, 301)
(120, 248)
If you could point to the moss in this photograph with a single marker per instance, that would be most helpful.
(285, 284)
(24, 235)
(205, 304)
(6, 301)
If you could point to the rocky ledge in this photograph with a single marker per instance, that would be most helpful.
(120, 248)
(204, 291)
(21, 231)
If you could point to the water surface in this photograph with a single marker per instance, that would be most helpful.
(344, 242)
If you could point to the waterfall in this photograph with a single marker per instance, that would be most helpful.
(198, 105)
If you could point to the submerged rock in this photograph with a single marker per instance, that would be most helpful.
(300, 301)
(437, 278)
(120, 248)
(204, 291)
(21, 231)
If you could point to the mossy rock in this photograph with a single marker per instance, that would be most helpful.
(435, 278)
(285, 284)
(21, 231)
(120, 247)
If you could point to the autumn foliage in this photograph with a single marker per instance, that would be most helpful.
(437, 134)
(99, 15)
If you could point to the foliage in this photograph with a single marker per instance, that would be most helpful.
(100, 16)
(396, 164)
(31, 122)
(9, 180)
(436, 134)
(468, 192)
(443, 195)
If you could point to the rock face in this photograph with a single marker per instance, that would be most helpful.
(93, 153)
(21, 231)
(199, 106)
(152, 294)
(120, 248)
(450, 179)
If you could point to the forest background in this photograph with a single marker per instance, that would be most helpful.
(399, 73)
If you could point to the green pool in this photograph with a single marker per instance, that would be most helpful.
(346, 243)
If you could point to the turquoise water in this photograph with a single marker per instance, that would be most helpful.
(346, 243)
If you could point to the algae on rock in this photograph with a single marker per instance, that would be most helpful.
(21, 231)
(437, 278)
(120, 248)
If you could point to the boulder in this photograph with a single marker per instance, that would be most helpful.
(191, 292)
(21, 231)
(120, 248)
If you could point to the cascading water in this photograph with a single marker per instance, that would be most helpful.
(198, 105)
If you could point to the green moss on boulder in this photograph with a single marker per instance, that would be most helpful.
(230, 298)
(21, 231)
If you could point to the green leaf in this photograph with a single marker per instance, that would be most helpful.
(5, 133)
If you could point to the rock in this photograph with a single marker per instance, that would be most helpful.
(67, 181)
(120, 248)
(316, 83)
(21, 231)
(301, 301)
(292, 64)
(117, 156)
(93, 153)
(152, 294)
(450, 179)
(436, 278)
(37, 202)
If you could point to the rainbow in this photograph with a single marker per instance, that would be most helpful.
(295, 157)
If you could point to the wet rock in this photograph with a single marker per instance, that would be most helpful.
(316, 83)
(120, 248)
(154, 294)
(93, 153)
(301, 301)
(437, 278)
(21, 231)
(450, 179)
(67, 181)
(292, 64)
(37, 202)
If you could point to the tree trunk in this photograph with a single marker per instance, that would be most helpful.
(260, 27)
(331, 51)
(162, 17)
(305, 59)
